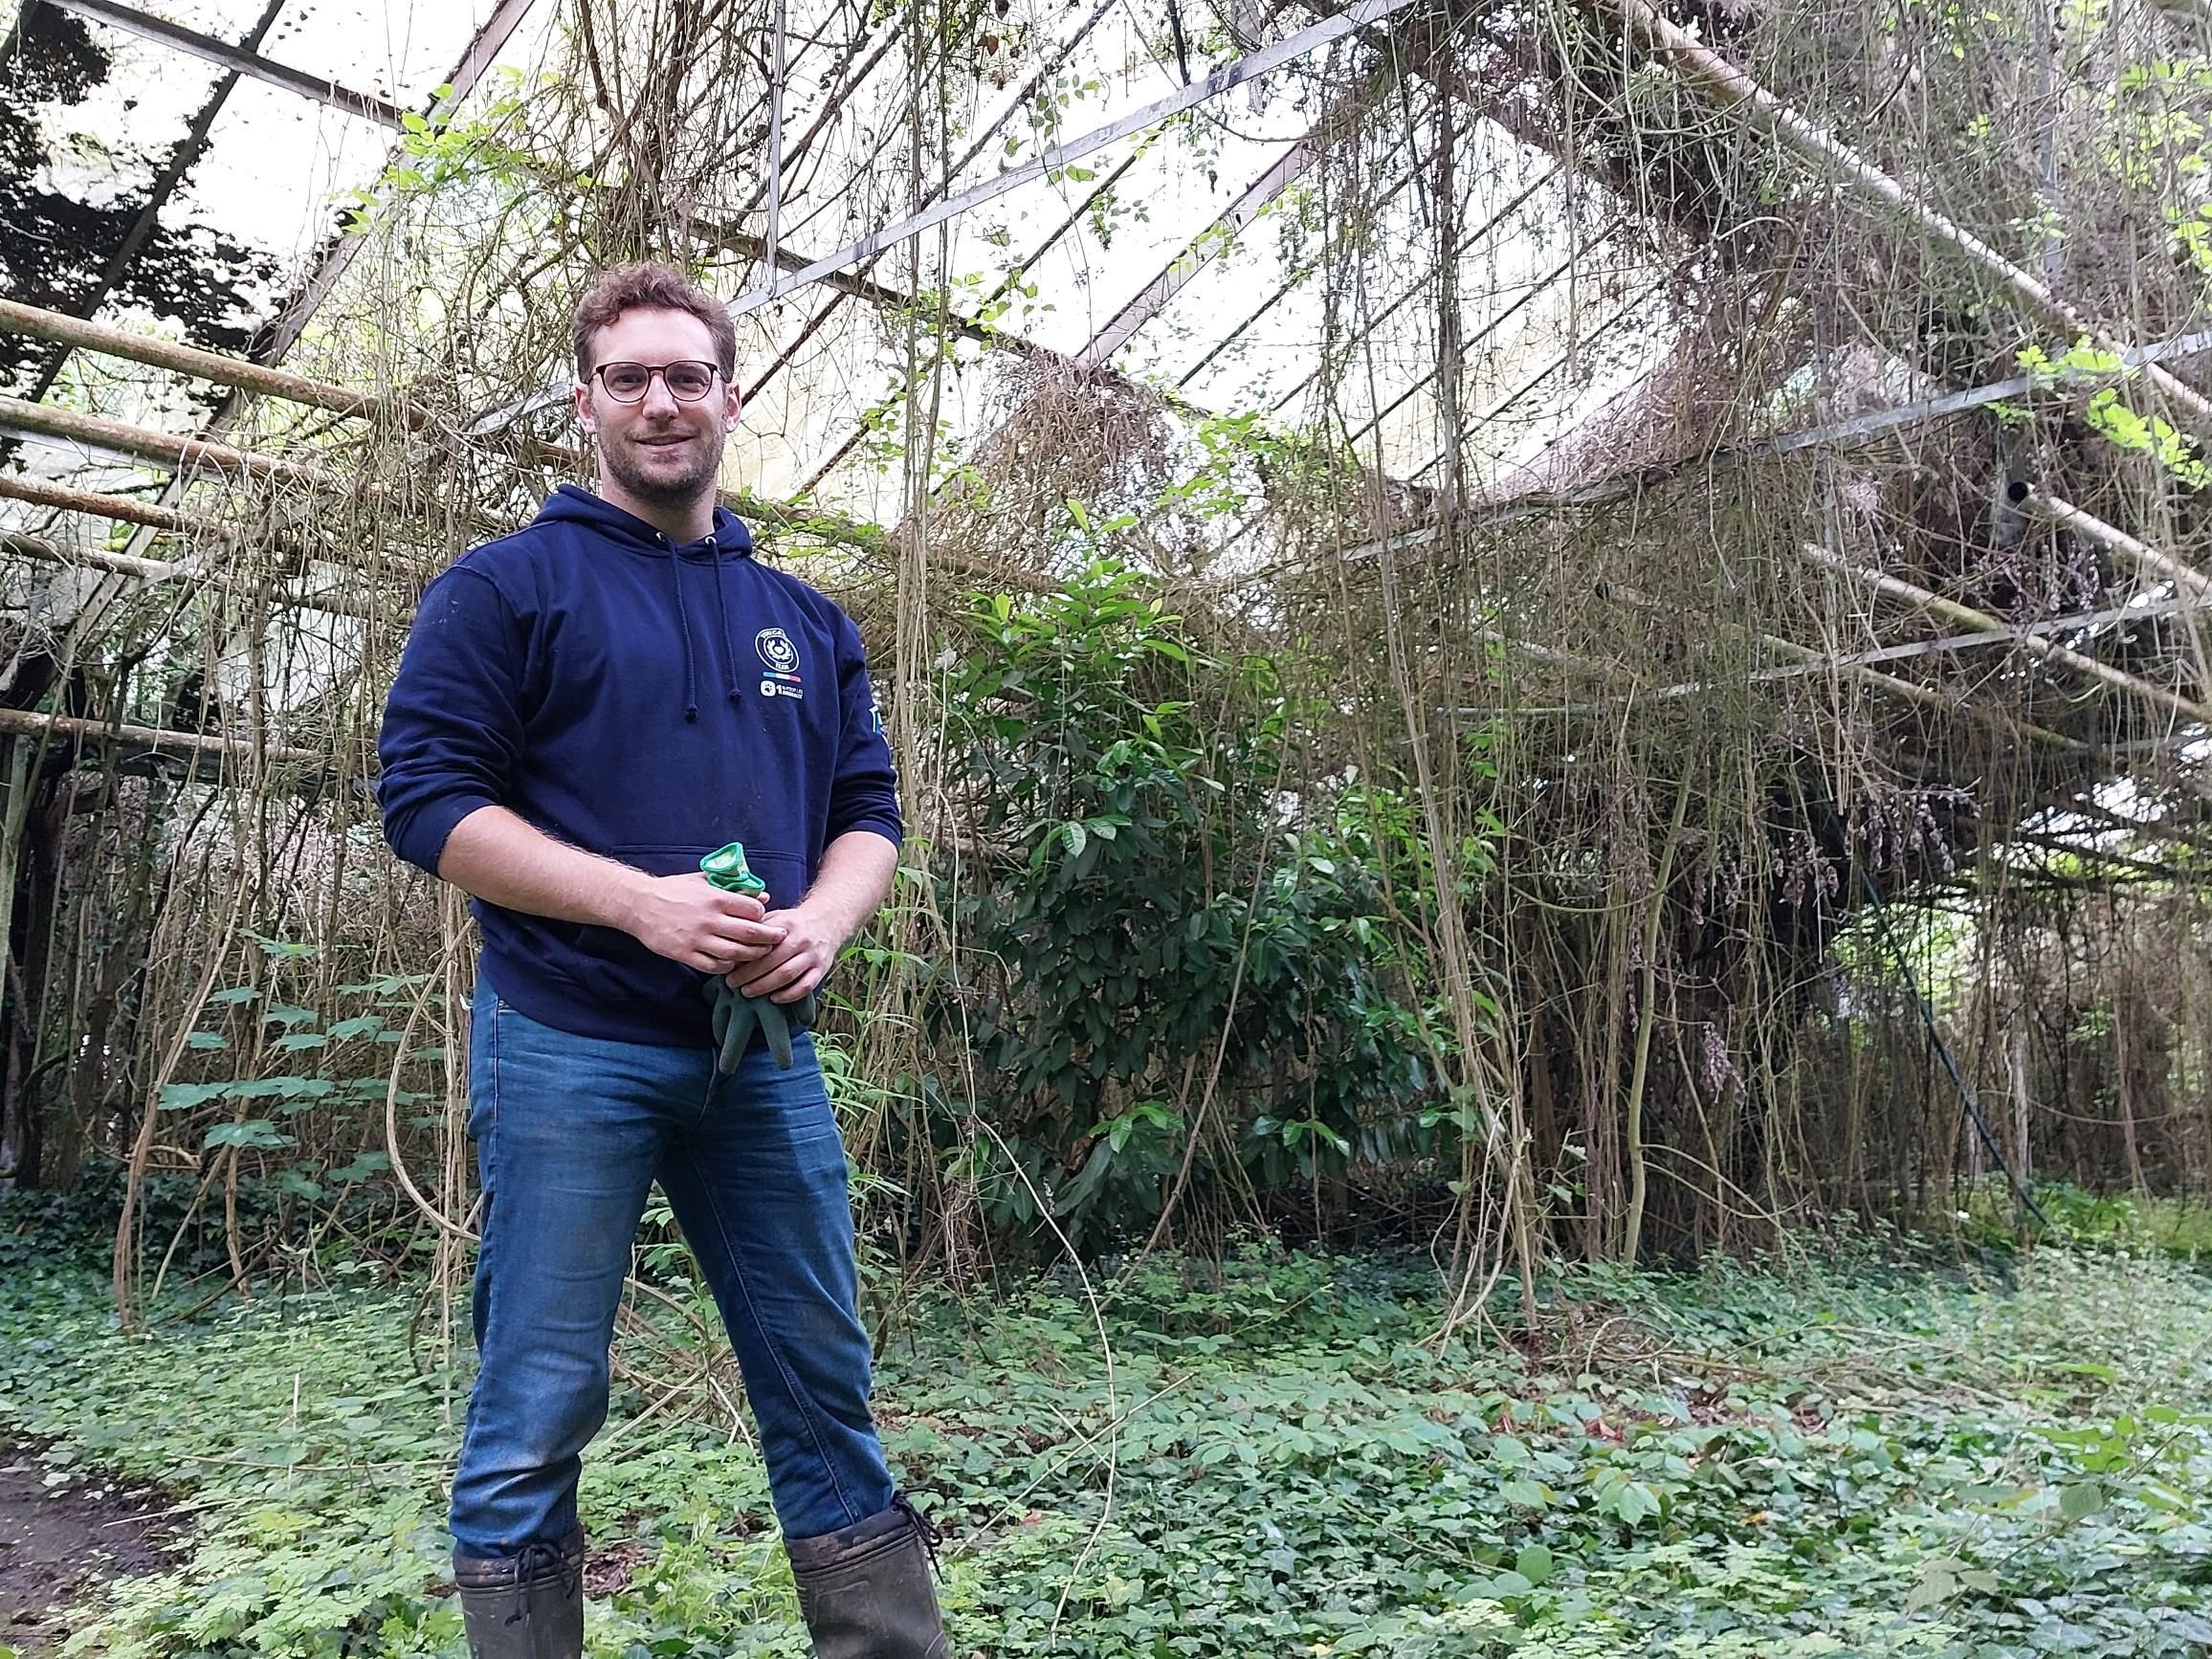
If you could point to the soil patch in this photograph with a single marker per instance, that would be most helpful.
(58, 1544)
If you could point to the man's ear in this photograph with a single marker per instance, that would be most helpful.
(582, 404)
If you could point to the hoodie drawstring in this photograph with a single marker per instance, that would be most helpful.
(729, 642)
(720, 579)
(691, 677)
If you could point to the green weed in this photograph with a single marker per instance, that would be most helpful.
(1824, 1453)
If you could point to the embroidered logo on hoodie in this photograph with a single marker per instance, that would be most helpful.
(779, 657)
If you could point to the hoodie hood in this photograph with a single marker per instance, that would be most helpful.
(574, 504)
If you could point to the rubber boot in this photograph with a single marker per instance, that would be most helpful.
(866, 1592)
(524, 1607)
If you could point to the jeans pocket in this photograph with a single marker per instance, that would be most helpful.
(484, 1013)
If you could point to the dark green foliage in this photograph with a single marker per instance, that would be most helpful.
(1163, 919)
(1993, 1218)
(78, 1226)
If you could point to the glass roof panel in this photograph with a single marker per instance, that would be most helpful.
(278, 165)
(224, 19)
(398, 49)
(252, 216)
(213, 252)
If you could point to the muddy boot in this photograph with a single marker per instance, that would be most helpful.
(866, 1592)
(526, 1606)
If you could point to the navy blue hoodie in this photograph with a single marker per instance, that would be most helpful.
(640, 699)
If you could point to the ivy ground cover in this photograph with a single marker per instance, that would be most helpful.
(1826, 1453)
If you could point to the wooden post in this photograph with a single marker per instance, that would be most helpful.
(25, 722)
(1925, 696)
(1646, 1019)
(2149, 560)
(98, 557)
(2124, 1093)
(2139, 553)
(171, 449)
(13, 817)
(159, 570)
(37, 493)
(16, 317)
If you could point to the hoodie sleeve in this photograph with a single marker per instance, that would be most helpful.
(452, 727)
(864, 791)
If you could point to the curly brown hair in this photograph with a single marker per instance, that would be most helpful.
(648, 287)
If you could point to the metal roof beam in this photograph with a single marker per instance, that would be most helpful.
(338, 252)
(177, 38)
(1337, 123)
(1059, 156)
(1297, 280)
(998, 339)
(1519, 201)
(1541, 286)
(1564, 360)
(1730, 87)
(1851, 429)
(1210, 244)
(850, 287)
(1286, 170)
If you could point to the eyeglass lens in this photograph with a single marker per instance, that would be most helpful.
(686, 382)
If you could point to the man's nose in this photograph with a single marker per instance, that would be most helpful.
(659, 403)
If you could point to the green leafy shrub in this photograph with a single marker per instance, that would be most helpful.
(1159, 923)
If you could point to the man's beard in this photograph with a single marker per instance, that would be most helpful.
(663, 489)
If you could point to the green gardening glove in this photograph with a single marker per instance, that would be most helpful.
(737, 1016)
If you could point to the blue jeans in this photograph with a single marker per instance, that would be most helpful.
(570, 1134)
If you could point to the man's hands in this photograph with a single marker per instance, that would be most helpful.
(854, 878)
(794, 966)
(495, 857)
(689, 920)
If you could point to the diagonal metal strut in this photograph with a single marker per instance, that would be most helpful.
(236, 59)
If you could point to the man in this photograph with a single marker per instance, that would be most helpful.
(583, 710)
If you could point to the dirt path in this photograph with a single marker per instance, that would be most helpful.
(57, 1543)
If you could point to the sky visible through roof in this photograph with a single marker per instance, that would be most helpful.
(250, 217)
(1243, 333)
